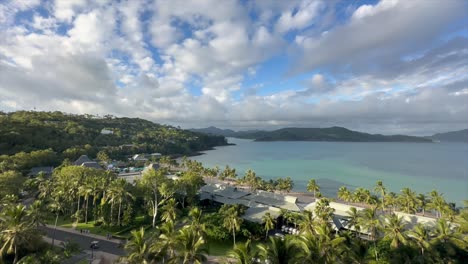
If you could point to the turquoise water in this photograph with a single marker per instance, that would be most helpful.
(419, 166)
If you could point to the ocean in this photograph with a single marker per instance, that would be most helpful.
(419, 166)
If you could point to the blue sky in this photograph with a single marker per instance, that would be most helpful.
(388, 66)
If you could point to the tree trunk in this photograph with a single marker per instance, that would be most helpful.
(155, 209)
(86, 210)
(78, 207)
(16, 255)
(118, 216)
(112, 211)
(55, 228)
(234, 236)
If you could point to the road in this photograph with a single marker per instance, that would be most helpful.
(85, 241)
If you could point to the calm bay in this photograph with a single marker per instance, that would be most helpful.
(419, 166)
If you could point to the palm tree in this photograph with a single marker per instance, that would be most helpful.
(166, 243)
(369, 221)
(391, 201)
(407, 200)
(190, 247)
(344, 194)
(121, 194)
(232, 222)
(137, 247)
(306, 223)
(170, 210)
(353, 219)
(269, 223)
(447, 235)
(393, 227)
(422, 202)
(16, 230)
(379, 187)
(57, 206)
(313, 187)
(195, 215)
(420, 236)
(437, 203)
(242, 253)
(86, 191)
(321, 247)
(37, 213)
(279, 251)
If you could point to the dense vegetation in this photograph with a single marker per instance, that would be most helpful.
(71, 135)
(34, 139)
(166, 223)
(313, 134)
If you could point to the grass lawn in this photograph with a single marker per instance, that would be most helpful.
(121, 231)
(221, 248)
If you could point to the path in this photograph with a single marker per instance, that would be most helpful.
(111, 246)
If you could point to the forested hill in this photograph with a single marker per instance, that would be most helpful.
(314, 134)
(69, 134)
(454, 136)
(328, 134)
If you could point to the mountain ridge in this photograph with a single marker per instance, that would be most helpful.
(335, 133)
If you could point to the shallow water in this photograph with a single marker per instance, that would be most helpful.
(419, 166)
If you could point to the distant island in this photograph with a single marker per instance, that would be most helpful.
(335, 133)
(454, 136)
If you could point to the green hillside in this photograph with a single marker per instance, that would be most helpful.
(327, 134)
(65, 133)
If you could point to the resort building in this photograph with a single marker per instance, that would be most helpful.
(84, 161)
(259, 203)
(47, 171)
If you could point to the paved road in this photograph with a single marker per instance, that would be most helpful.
(85, 241)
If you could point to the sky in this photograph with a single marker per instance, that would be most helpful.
(389, 66)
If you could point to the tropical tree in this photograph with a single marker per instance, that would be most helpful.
(408, 200)
(150, 182)
(232, 221)
(279, 251)
(323, 211)
(437, 203)
(448, 236)
(321, 246)
(269, 221)
(353, 219)
(344, 194)
(394, 227)
(195, 215)
(190, 247)
(313, 187)
(422, 201)
(137, 248)
(391, 201)
(16, 230)
(165, 247)
(380, 188)
(169, 210)
(307, 221)
(369, 222)
(420, 236)
(242, 253)
(37, 213)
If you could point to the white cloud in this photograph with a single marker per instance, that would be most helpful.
(299, 17)
(65, 10)
(199, 63)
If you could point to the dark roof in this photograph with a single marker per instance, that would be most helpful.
(82, 159)
(36, 170)
(154, 166)
(91, 164)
